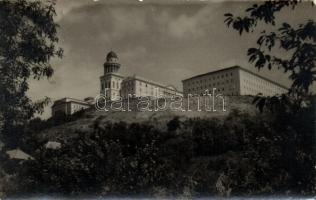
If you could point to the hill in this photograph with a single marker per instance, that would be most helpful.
(158, 119)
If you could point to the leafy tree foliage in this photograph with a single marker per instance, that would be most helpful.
(298, 42)
(28, 37)
(292, 138)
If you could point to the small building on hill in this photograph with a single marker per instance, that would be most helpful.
(69, 106)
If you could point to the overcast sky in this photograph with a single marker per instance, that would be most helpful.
(165, 41)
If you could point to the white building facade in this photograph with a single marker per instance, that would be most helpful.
(136, 86)
(232, 81)
(115, 86)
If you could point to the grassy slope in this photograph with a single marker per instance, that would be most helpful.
(157, 119)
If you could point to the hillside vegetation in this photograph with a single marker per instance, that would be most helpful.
(236, 154)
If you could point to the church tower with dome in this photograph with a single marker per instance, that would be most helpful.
(111, 79)
(115, 86)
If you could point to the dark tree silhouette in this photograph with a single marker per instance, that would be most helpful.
(28, 37)
(299, 43)
(174, 124)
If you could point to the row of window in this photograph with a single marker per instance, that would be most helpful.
(256, 91)
(224, 83)
(261, 84)
(210, 89)
(140, 83)
(213, 77)
(115, 85)
(131, 82)
(258, 80)
(222, 93)
(128, 86)
(265, 87)
(228, 81)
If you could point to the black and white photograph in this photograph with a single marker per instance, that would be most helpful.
(157, 99)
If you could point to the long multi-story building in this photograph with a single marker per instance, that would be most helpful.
(137, 86)
(232, 81)
(115, 86)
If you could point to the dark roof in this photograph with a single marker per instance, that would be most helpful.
(236, 67)
(68, 100)
(111, 54)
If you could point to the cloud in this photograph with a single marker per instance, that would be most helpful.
(184, 26)
(138, 51)
(126, 21)
(63, 7)
(194, 26)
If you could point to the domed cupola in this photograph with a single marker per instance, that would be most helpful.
(111, 65)
(111, 56)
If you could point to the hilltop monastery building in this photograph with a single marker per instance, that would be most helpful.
(229, 81)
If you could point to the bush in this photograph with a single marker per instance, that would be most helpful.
(240, 155)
